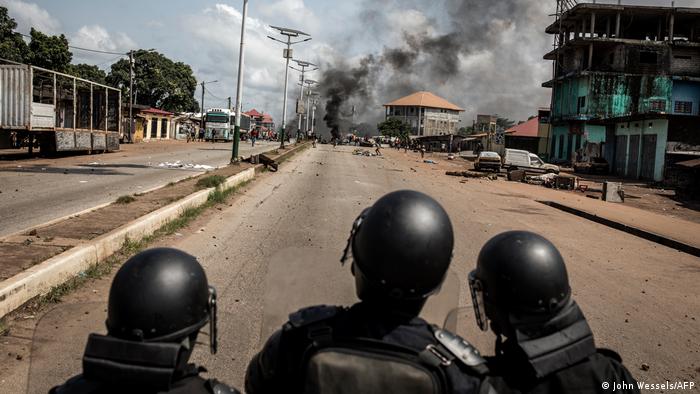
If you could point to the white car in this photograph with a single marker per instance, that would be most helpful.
(524, 160)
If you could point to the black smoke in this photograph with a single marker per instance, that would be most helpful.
(434, 60)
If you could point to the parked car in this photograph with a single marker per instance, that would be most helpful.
(488, 160)
(521, 159)
(594, 165)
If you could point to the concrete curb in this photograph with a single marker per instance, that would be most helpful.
(39, 279)
(96, 207)
(653, 237)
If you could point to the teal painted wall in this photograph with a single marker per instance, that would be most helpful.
(658, 127)
(611, 95)
(594, 133)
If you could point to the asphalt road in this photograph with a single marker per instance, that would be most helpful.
(33, 192)
(277, 248)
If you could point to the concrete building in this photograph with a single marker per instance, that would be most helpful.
(426, 114)
(532, 135)
(626, 86)
(155, 124)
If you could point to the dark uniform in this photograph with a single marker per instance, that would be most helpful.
(278, 363)
(158, 302)
(586, 376)
(520, 289)
(401, 251)
(187, 381)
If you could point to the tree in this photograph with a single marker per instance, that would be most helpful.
(50, 52)
(159, 82)
(12, 46)
(89, 72)
(394, 127)
(465, 131)
(504, 123)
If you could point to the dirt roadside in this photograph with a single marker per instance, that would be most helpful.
(17, 328)
(36, 245)
(647, 197)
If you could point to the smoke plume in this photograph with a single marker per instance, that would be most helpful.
(485, 56)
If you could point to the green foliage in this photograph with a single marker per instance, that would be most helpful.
(505, 123)
(160, 82)
(89, 72)
(210, 181)
(465, 131)
(125, 199)
(12, 46)
(393, 127)
(50, 52)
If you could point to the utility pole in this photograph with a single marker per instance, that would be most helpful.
(229, 103)
(313, 116)
(309, 93)
(304, 65)
(201, 123)
(239, 89)
(131, 95)
(287, 54)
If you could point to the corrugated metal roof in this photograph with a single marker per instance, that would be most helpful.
(527, 129)
(156, 111)
(424, 99)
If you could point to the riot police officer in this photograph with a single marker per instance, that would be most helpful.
(520, 286)
(401, 250)
(158, 302)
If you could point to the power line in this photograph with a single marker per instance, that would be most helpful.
(84, 49)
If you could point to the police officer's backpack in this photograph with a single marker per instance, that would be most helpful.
(332, 364)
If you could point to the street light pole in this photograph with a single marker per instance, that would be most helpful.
(287, 54)
(131, 95)
(239, 89)
(309, 82)
(201, 122)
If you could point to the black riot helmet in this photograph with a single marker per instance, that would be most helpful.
(161, 295)
(401, 248)
(520, 277)
(521, 286)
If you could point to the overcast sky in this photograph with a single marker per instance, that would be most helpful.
(502, 77)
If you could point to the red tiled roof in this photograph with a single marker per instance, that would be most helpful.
(253, 112)
(527, 129)
(424, 99)
(156, 111)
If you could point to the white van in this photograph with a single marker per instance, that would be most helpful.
(524, 160)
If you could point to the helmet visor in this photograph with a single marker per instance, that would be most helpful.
(477, 291)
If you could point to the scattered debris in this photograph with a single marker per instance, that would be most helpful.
(644, 367)
(32, 232)
(429, 161)
(547, 180)
(363, 152)
(473, 174)
(451, 156)
(187, 166)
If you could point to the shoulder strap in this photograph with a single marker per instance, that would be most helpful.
(217, 387)
(460, 350)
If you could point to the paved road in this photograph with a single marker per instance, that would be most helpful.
(277, 248)
(33, 192)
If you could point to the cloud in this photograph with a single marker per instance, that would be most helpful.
(28, 15)
(293, 12)
(98, 38)
(217, 47)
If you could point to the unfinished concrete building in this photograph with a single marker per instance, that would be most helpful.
(626, 86)
(425, 113)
